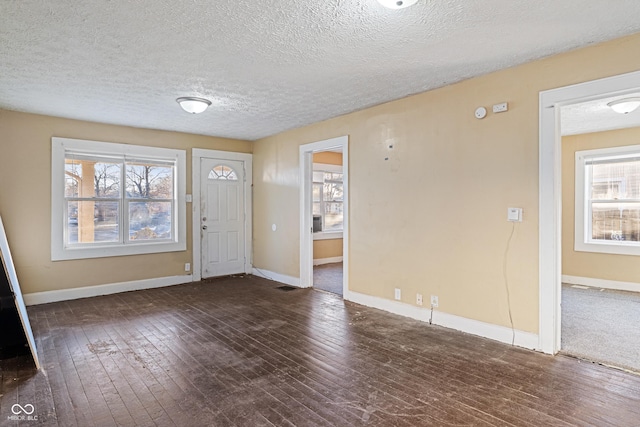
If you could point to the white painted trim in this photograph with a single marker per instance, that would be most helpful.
(601, 283)
(196, 155)
(306, 239)
(58, 222)
(282, 278)
(486, 330)
(331, 260)
(582, 218)
(111, 288)
(550, 193)
(324, 167)
(327, 235)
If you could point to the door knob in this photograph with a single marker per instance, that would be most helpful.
(204, 227)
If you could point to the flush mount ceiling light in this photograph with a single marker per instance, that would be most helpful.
(397, 4)
(193, 105)
(624, 106)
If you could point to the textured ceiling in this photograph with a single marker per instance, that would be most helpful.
(597, 116)
(270, 65)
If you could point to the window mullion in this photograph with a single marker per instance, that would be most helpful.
(124, 214)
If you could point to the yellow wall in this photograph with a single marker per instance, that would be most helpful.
(329, 248)
(25, 201)
(432, 218)
(328, 158)
(624, 268)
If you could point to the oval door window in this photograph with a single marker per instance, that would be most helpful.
(223, 172)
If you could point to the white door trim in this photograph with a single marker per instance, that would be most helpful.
(550, 196)
(196, 155)
(306, 236)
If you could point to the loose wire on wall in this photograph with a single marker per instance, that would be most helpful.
(506, 282)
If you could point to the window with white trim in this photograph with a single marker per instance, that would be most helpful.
(115, 199)
(328, 198)
(607, 217)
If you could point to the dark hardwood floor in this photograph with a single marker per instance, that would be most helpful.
(238, 351)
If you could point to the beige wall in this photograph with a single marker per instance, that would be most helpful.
(25, 201)
(329, 248)
(624, 268)
(432, 218)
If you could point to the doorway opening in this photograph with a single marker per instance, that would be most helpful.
(600, 229)
(552, 247)
(324, 215)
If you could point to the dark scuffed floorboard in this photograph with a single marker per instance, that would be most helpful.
(237, 351)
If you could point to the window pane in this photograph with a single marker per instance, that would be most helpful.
(317, 191)
(72, 178)
(223, 172)
(331, 176)
(105, 182)
(333, 216)
(318, 176)
(333, 192)
(316, 209)
(617, 221)
(149, 220)
(149, 181)
(615, 181)
(92, 222)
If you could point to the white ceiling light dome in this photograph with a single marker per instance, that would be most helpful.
(193, 105)
(397, 4)
(624, 106)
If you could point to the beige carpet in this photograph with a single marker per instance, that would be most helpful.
(602, 326)
(328, 277)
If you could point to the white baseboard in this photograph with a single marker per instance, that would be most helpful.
(322, 261)
(601, 283)
(111, 288)
(487, 330)
(282, 278)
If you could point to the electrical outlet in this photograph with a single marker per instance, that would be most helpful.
(187, 266)
(434, 300)
(419, 299)
(398, 295)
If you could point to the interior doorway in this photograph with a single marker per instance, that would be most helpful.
(324, 215)
(550, 185)
(600, 293)
(327, 208)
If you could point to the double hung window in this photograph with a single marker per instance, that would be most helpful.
(115, 199)
(328, 197)
(608, 200)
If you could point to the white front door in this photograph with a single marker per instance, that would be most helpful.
(222, 217)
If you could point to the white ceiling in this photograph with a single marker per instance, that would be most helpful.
(597, 116)
(270, 65)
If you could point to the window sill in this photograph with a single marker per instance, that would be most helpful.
(327, 235)
(608, 248)
(111, 251)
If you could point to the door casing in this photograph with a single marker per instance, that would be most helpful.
(550, 193)
(196, 155)
(306, 235)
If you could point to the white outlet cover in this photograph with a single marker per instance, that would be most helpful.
(434, 300)
(398, 294)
